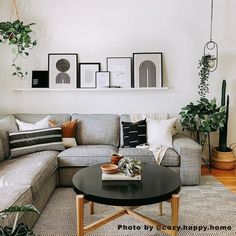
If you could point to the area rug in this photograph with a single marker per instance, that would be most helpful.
(207, 209)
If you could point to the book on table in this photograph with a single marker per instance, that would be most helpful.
(119, 176)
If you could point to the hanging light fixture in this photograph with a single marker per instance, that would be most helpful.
(211, 47)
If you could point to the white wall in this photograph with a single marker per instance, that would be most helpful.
(97, 29)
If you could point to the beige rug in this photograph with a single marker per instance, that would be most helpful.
(208, 209)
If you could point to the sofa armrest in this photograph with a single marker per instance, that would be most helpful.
(190, 159)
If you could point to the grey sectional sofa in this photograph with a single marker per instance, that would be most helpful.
(32, 178)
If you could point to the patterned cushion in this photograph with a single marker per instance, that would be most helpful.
(7, 124)
(134, 134)
(25, 142)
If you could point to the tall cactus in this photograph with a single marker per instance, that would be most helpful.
(223, 131)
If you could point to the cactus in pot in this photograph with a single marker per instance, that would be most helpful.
(224, 130)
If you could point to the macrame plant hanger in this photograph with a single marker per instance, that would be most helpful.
(211, 47)
(14, 9)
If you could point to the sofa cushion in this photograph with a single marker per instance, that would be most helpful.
(33, 118)
(2, 153)
(13, 195)
(26, 142)
(7, 124)
(41, 124)
(171, 158)
(86, 155)
(101, 129)
(134, 134)
(29, 170)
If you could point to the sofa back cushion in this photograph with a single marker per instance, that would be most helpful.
(33, 118)
(95, 129)
(7, 124)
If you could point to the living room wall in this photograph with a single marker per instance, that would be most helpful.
(98, 29)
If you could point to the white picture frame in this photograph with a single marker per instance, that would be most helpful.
(120, 71)
(102, 79)
(87, 74)
(62, 69)
(148, 72)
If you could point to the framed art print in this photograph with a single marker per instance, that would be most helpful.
(87, 73)
(120, 71)
(147, 70)
(62, 69)
(102, 79)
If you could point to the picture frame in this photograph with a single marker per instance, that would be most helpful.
(120, 71)
(62, 70)
(102, 79)
(147, 70)
(87, 73)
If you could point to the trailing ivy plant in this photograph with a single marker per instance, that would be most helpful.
(204, 66)
(19, 35)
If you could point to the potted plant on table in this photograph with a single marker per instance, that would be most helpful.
(20, 229)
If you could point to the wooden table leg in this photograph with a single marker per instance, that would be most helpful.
(160, 209)
(80, 214)
(91, 206)
(174, 212)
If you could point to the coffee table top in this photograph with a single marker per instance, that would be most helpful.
(157, 185)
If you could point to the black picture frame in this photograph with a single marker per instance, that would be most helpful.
(81, 83)
(69, 70)
(114, 75)
(107, 85)
(152, 59)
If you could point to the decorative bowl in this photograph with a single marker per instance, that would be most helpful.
(109, 168)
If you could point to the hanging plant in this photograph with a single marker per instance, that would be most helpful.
(17, 34)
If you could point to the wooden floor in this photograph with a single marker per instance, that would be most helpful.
(227, 177)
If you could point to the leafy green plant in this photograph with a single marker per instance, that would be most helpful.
(204, 66)
(20, 229)
(204, 116)
(19, 35)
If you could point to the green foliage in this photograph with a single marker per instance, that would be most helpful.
(203, 116)
(204, 66)
(25, 208)
(224, 130)
(21, 230)
(19, 35)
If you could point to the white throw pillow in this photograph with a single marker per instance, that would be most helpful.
(159, 133)
(30, 126)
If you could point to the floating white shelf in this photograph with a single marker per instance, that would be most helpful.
(91, 89)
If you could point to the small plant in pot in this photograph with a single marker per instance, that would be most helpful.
(17, 229)
(223, 156)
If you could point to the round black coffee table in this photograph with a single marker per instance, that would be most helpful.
(157, 184)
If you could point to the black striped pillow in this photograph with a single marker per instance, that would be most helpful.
(134, 134)
(25, 142)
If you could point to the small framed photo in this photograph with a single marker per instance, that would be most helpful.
(147, 70)
(102, 79)
(62, 69)
(87, 75)
(120, 71)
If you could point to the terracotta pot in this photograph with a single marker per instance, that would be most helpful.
(223, 160)
(115, 158)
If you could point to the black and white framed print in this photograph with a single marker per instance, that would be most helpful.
(102, 79)
(87, 75)
(147, 70)
(120, 71)
(62, 69)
